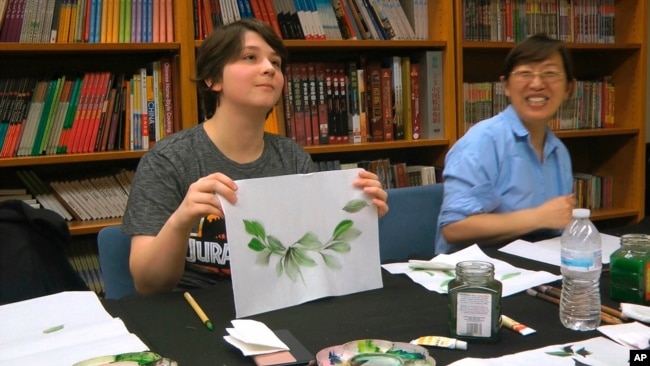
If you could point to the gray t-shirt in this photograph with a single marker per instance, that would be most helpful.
(164, 175)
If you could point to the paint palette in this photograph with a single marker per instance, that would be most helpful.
(145, 358)
(375, 352)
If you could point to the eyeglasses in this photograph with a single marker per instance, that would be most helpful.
(546, 76)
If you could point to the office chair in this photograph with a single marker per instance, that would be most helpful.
(409, 228)
(114, 249)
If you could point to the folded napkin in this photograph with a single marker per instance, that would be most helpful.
(636, 312)
(253, 338)
(514, 279)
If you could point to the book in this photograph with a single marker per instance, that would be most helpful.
(386, 80)
(354, 118)
(416, 128)
(431, 108)
(26, 139)
(313, 103)
(361, 100)
(340, 96)
(54, 111)
(59, 119)
(406, 99)
(343, 20)
(298, 118)
(373, 95)
(61, 145)
(3, 11)
(272, 16)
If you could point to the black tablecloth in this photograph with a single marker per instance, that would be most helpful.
(400, 311)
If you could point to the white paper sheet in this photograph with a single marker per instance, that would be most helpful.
(548, 251)
(633, 335)
(514, 279)
(334, 249)
(86, 331)
(598, 351)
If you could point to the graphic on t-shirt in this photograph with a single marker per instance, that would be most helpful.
(208, 247)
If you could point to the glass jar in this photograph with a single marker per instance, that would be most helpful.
(629, 266)
(475, 302)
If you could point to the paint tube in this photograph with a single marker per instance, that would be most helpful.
(442, 342)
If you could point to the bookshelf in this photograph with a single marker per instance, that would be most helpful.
(51, 60)
(619, 151)
(423, 151)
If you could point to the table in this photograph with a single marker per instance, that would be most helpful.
(400, 311)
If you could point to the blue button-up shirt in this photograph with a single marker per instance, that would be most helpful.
(493, 168)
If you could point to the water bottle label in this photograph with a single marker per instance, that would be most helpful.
(581, 261)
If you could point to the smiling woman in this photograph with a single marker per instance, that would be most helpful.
(509, 175)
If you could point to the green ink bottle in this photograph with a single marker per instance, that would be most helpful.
(475, 302)
(629, 268)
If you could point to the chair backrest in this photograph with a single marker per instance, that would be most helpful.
(409, 228)
(114, 250)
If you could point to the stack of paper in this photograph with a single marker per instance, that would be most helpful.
(514, 279)
(61, 329)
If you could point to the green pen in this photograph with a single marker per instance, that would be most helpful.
(198, 310)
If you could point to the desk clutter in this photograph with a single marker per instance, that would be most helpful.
(69, 328)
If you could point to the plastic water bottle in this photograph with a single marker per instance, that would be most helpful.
(581, 266)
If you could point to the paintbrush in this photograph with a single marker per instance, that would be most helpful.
(604, 317)
(557, 292)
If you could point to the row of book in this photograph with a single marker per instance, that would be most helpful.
(592, 191)
(361, 100)
(584, 21)
(100, 111)
(86, 21)
(320, 19)
(391, 175)
(83, 255)
(81, 199)
(591, 105)
(20, 194)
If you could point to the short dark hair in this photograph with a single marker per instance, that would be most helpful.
(538, 48)
(223, 46)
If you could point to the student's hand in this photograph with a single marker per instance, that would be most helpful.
(372, 187)
(201, 199)
(557, 212)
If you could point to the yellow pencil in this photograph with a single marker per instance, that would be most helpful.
(198, 310)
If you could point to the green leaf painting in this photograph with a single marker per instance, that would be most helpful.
(305, 251)
(568, 351)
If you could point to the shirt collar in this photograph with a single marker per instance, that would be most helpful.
(551, 142)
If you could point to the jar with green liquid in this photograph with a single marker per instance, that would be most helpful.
(629, 268)
(475, 302)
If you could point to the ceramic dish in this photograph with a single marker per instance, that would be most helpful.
(375, 352)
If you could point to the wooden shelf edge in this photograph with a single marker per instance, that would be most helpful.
(596, 132)
(613, 213)
(323, 45)
(92, 226)
(369, 146)
(32, 48)
(70, 158)
(477, 45)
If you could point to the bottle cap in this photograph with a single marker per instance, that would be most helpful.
(581, 213)
(461, 345)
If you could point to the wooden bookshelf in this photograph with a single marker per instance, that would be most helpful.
(619, 151)
(441, 37)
